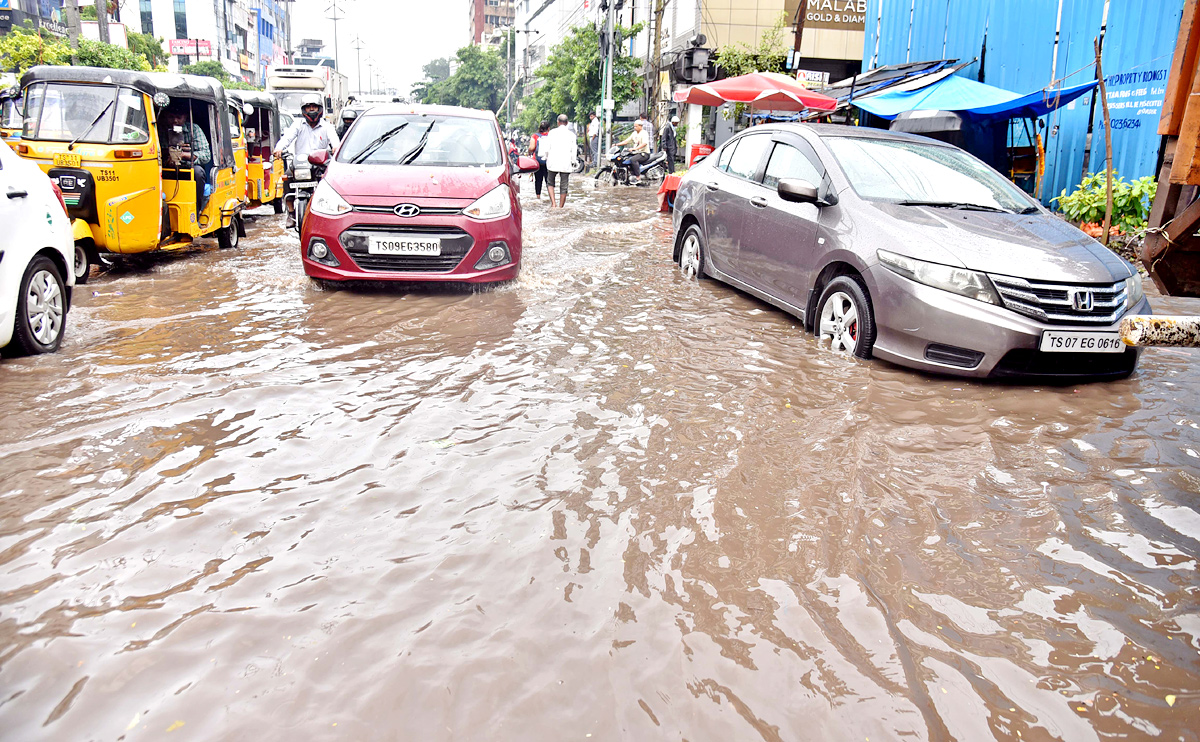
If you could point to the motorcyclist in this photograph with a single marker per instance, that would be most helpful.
(311, 134)
(640, 150)
(348, 117)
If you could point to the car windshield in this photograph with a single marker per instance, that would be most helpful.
(291, 101)
(87, 113)
(10, 113)
(904, 171)
(417, 139)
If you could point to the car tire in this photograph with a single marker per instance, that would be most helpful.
(83, 264)
(845, 317)
(693, 255)
(228, 237)
(39, 329)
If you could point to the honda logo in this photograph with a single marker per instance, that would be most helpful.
(408, 210)
(1081, 301)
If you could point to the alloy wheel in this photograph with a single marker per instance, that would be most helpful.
(689, 256)
(839, 323)
(44, 307)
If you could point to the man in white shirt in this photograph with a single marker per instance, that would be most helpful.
(560, 158)
(311, 133)
(593, 134)
(639, 142)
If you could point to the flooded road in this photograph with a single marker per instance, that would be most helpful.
(603, 503)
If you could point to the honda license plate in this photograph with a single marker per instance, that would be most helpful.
(404, 246)
(1054, 341)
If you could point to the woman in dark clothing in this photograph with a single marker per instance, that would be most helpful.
(542, 174)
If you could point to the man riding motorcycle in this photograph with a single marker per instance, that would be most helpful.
(311, 134)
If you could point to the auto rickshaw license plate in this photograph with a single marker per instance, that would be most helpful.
(67, 159)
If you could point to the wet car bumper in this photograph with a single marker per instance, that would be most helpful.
(465, 245)
(936, 331)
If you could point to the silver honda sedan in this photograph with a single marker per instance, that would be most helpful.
(900, 247)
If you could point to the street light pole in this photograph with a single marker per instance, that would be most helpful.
(608, 104)
(335, 17)
(358, 45)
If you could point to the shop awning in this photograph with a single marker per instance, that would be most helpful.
(764, 90)
(975, 99)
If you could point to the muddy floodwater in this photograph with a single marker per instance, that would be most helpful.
(603, 502)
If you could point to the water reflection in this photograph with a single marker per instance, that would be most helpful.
(603, 499)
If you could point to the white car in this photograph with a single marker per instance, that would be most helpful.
(37, 252)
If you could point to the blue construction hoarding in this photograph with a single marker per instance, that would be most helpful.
(1013, 45)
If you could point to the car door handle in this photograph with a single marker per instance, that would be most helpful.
(759, 201)
(17, 194)
(711, 186)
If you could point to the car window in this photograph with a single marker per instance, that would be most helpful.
(748, 155)
(130, 121)
(788, 162)
(902, 170)
(726, 153)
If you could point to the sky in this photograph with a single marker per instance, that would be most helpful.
(400, 35)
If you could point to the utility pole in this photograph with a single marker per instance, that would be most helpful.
(72, 12)
(371, 74)
(335, 16)
(102, 19)
(358, 45)
(656, 114)
(608, 104)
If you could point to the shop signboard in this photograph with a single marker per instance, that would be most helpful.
(843, 15)
(191, 47)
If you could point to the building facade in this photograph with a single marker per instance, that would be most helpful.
(485, 16)
(245, 36)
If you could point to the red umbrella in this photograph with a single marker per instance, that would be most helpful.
(763, 90)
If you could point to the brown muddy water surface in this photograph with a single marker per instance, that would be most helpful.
(601, 503)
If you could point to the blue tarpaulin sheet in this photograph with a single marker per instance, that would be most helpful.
(975, 99)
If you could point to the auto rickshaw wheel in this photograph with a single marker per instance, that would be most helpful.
(228, 237)
(83, 262)
(277, 204)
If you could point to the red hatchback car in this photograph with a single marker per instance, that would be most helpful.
(417, 193)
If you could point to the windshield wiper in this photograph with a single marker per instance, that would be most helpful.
(375, 145)
(1029, 210)
(953, 205)
(91, 126)
(415, 152)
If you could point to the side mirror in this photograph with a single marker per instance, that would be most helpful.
(527, 164)
(699, 159)
(798, 191)
(318, 158)
(248, 110)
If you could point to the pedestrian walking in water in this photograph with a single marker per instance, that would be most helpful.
(560, 159)
(535, 151)
(669, 143)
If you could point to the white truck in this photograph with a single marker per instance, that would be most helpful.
(289, 83)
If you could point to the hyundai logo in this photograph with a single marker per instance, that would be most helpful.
(408, 210)
(1081, 301)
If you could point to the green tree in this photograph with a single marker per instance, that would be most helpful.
(22, 48)
(437, 70)
(572, 79)
(211, 68)
(98, 54)
(149, 47)
(768, 55)
(477, 83)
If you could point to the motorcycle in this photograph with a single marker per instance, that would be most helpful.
(619, 170)
(303, 178)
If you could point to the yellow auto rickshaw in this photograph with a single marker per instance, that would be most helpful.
(144, 159)
(237, 134)
(10, 115)
(262, 130)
